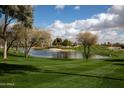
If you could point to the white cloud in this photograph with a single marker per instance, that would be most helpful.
(107, 25)
(77, 7)
(60, 7)
(63, 30)
(111, 36)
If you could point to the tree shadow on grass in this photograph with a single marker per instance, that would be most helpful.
(118, 63)
(85, 75)
(62, 59)
(114, 60)
(16, 69)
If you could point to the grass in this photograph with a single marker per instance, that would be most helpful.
(103, 50)
(17, 71)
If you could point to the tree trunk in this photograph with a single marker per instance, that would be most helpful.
(84, 53)
(25, 51)
(6, 23)
(88, 51)
(28, 50)
(5, 49)
(16, 48)
(8, 46)
(26, 55)
(4, 36)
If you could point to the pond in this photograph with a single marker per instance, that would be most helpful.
(60, 53)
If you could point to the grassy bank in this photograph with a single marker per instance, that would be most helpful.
(61, 73)
(103, 50)
(17, 71)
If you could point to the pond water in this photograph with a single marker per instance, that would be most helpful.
(58, 53)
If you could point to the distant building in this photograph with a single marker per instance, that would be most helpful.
(114, 48)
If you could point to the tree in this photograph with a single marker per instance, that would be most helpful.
(11, 37)
(87, 39)
(33, 37)
(14, 36)
(66, 42)
(13, 13)
(29, 38)
(57, 42)
(45, 38)
(109, 44)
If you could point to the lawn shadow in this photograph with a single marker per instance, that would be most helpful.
(16, 69)
(114, 60)
(85, 75)
(118, 63)
(62, 59)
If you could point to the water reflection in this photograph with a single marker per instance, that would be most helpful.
(55, 54)
(60, 54)
(68, 54)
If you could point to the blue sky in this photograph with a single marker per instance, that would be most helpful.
(45, 15)
(107, 21)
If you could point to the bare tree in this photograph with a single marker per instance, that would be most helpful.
(14, 36)
(45, 38)
(87, 39)
(29, 38)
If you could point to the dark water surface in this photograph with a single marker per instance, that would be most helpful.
(48, 53)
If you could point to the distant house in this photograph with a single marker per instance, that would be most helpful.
(114, 48)
(66, 46)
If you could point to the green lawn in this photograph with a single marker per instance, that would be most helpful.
(66, 73)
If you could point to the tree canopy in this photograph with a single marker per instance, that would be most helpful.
(15, 13)
(87, 39)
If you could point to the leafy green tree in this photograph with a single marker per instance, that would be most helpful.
(14, 13)
(57, 42)
(66, 42)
